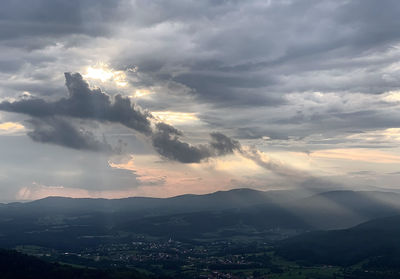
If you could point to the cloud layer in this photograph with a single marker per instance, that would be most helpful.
(302, 82)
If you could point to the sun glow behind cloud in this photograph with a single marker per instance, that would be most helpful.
(174, 117)
(392, 97)
(104, 73)
(142, 93)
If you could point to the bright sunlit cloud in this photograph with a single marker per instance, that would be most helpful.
(174, 117)
(142, 93)
(388, 136)
(392, 97)
(10, 127)
(104, 73)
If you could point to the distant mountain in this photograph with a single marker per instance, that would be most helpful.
(344, 209)
(375, 243)
(330, 210)
(67, 223)
(236, 198)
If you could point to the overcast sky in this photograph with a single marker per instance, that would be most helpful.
(159, 98)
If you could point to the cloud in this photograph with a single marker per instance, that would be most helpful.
(353, 154)
(84, 102)
(62, 132)
(166, 141)
(54, 19)
(273, 165)
(273, 49)
(262, 71)
(10, 128)
(222, 144)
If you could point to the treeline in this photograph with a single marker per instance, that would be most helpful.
(17, 265)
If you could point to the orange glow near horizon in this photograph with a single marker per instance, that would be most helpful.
(365, 155)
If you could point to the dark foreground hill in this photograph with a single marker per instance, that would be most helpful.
(375, 243)
(16, 265)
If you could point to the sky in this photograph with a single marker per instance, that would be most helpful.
(159, 98)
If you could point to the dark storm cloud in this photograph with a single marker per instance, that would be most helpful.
(166, 141)
(61, 132)
(84, 102)
(222, 144)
